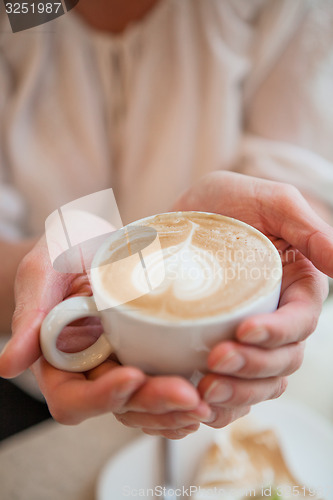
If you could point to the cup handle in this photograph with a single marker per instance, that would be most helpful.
(59, 317)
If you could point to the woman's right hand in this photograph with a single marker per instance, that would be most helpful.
(170, 406)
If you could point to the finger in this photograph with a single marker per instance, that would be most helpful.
(304, 290)
(103, 368)
(171, 420)
(38, 288)
(172, 434)
(225, 416)
(232, 358)
(164, 394)
(72, 397)
(301, 227)
(23, 348)
(274, 208)
(77, 338)
(232, 392)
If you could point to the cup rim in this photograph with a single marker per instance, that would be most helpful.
(236, 312)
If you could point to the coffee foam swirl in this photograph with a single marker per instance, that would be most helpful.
(190, 273)
(208, 262)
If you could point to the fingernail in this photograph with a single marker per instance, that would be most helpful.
(201, 413)
(128, 389)
(255, 336)
(211, 418)
(183, 432)
(218, 392)
(230, 363)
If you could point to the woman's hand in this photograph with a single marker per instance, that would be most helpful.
(242, 372)
(267, 347)
(169, 406)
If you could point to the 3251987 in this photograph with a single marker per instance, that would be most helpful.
(32, 7)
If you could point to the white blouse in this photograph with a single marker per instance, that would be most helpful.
(196, 86)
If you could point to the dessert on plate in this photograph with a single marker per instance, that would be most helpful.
(247, 461)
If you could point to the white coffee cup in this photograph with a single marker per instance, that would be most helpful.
(154, 344)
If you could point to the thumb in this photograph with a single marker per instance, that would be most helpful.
(294, 220)
(38, 288)
(22, 350)
(276, 209)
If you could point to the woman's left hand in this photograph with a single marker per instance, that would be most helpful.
(267, 347)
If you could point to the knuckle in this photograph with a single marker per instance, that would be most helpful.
(62, 416)
(228, 418)
(248, 396)
(296, 359)
(313, 322)
(23, 266)
(149, 432)
(173, 436)
(180, 432)
(244, 411)
(174, 421)
(280, 337)
(221, 420)
(310, 322)
(123, 419)
(225, 416)
(256, 367)
(287, 193)
(176, 433)
(29, 264)
(116, 407)
(281, 386)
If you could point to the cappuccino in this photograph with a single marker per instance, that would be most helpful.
(211, 265)
(167, 289)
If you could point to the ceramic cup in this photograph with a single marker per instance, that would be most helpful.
(154, 344)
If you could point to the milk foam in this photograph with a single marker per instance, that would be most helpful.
(207, 262)
(190, 273)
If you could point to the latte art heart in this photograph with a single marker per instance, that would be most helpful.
(207, 265)
(190, 273)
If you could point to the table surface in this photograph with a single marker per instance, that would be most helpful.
(51, 461)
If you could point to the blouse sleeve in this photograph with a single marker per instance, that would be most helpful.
(288, 125)
(12, 207)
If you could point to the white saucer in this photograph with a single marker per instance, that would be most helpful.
(306, 440)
